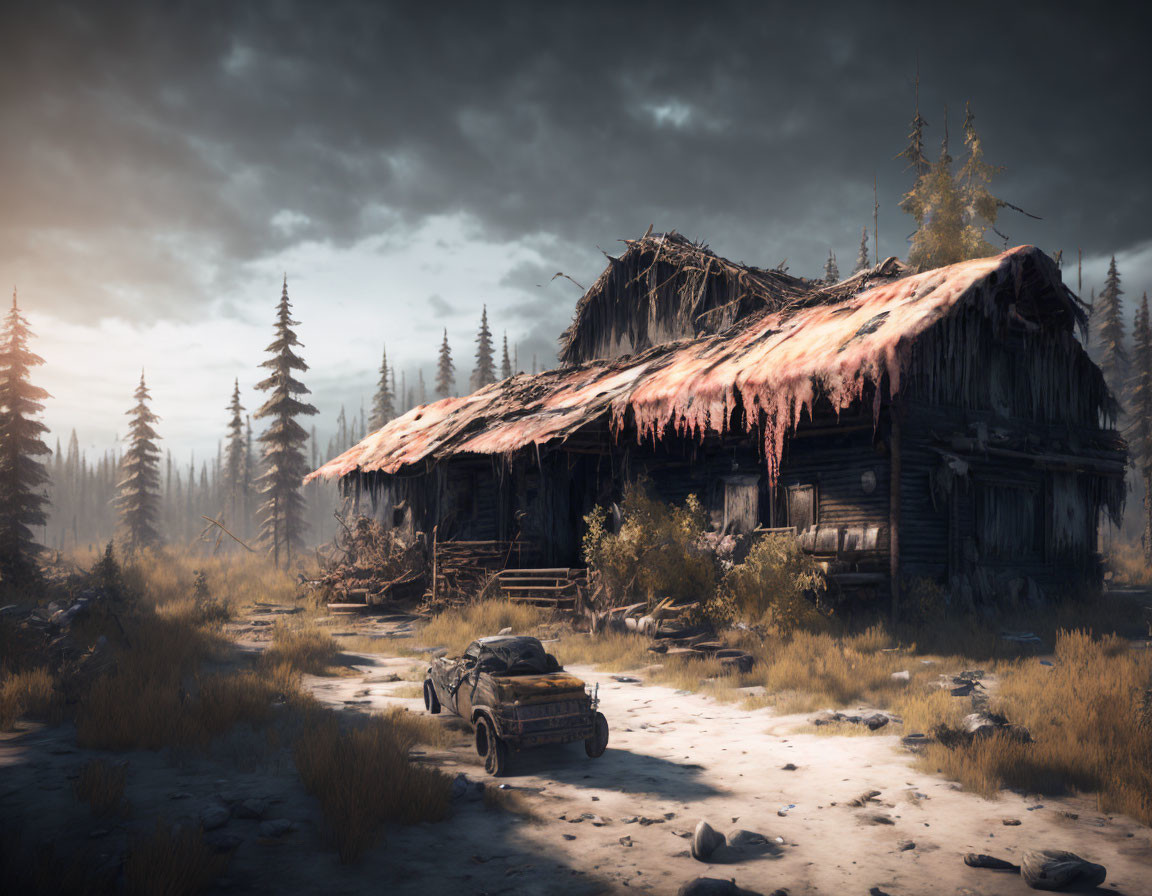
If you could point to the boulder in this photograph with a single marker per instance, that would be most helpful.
(705, 840)
(985, 724)
(708, 886)
(214, 817)
(742, 838)
(275, 827)
(254, 807)
(1054, 869)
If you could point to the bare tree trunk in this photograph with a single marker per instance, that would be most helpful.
(1147, 539)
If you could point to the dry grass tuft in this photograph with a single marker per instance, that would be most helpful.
(32, 693)
(456, 629)
(173, 861)
(615, 651)
(302, 647)
(101, 785)
(813, 671)
(1084, 714)
(362, 777)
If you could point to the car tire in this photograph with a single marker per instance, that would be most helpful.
(595, 745)
(491, 748)
(431, 701)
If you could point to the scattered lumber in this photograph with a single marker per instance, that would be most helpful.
(370, 565)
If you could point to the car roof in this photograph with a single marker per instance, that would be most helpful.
(505, 640)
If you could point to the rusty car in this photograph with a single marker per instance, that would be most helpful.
(516, 696)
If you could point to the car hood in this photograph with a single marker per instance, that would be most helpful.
(537, 688)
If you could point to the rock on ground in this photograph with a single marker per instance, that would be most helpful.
(1054, 869)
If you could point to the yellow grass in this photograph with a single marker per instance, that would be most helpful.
(456, 629)
(101, 785)
(301, 646)
(173, 861)
(613, 650)
(1085, 714)
(362, 777)
(31, 693)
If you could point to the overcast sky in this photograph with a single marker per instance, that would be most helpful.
(163, 165)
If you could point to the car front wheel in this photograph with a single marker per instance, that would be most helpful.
(431, 701)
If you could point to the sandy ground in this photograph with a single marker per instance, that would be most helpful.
(616, 824)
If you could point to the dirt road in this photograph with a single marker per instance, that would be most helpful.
(612, 825)
(622, 822)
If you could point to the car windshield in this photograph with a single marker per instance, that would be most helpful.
(511, 656)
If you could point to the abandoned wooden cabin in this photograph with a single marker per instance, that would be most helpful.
(944, 425)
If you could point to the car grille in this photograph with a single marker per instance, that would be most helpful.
(548, 716)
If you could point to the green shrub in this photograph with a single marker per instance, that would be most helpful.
(657, 552)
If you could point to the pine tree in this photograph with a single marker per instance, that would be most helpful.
(505, 361)
(138, 497)
(22, 475)
(282, 522)
(914, 152)
(862, 258)
(937, 206)
(953, 211)
(1108, 312)
(980, 206)
(421, 389)
(1140, 409)
(485, 369)
(383, 405)
(236, 462)
(445, 371)
(831, 270)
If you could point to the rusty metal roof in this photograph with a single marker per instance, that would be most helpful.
(770, 364)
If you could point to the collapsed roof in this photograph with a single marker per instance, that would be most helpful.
(663, 288)
(815, 340)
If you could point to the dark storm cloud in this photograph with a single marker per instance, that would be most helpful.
(149, 151)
